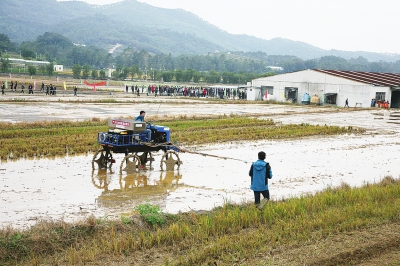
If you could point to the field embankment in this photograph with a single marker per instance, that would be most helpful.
(340, 226)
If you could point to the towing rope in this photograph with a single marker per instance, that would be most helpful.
(150, 144)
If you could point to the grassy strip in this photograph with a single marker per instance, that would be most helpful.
(258, 132)
(224, 236)
(298, 221)
(43, 139)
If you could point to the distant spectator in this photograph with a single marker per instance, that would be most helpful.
(30, 89)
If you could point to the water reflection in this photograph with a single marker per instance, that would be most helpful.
(134, 187)
(101, 179)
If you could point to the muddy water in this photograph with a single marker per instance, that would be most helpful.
(67, 188)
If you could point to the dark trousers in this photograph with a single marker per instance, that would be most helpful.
(257, 196)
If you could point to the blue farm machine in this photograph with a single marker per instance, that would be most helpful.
(130, 138)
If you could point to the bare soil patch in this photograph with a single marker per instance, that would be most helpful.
(370, 246)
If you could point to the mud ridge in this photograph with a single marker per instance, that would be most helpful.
(362, 254)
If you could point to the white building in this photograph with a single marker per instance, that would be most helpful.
(331, 86)
(18, 62)
(59, 68)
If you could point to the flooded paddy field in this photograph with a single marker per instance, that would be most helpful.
(67, 188)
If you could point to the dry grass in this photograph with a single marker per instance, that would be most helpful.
(228, 235)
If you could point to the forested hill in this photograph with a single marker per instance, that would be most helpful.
(142, 26)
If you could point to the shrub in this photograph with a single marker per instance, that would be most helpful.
(151, 214)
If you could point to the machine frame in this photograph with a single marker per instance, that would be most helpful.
(130, 138)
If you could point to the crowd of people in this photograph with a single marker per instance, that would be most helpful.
(49, 89)
(168, 90)
(187, 91)
(380, 103)
(149, 90)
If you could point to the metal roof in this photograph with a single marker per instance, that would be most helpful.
(373, 78)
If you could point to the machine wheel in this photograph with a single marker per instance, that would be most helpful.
(170, 159)
(146, 159)
(130, 164)
(102, 160)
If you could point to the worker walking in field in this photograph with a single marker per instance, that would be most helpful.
(30, 89)
(347, 102)
(260, 172)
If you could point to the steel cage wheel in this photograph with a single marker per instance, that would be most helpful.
(130, 164)
(102, 159)
(170, 159)
(146, 159)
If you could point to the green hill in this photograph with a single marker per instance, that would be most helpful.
(142, 26)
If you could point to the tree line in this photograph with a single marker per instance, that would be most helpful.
(234, 67)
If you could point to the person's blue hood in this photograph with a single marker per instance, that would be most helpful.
(259, 165)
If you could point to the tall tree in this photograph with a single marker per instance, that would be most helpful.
(102, 74)
(50, 69)
(125, 72)
(5, 64)
(133, 70)
(76, 71)
(31, 70)
(95, 74)
(85, 71)
(6, 44)
(42, 68)
(179, 75)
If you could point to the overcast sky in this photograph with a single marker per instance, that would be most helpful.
(351, 25)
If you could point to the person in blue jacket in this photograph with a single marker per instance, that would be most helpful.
(141, 119)
(260, 172)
